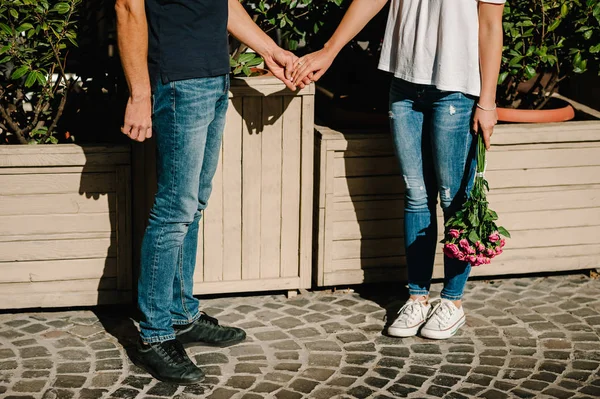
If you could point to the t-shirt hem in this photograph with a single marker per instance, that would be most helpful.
(167, 77)
(429, 82)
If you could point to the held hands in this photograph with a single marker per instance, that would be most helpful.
(281, 63)
(312, 66)
(138, 118)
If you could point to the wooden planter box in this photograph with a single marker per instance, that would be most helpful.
(545, 182)
(256, 234)
(64, 225)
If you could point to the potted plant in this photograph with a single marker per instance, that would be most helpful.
(546, 42)
(64, 234)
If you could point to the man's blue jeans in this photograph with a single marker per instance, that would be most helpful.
(434, 143)
(188, 120)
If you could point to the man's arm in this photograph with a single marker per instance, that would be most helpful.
(279, 61)
(132, 30)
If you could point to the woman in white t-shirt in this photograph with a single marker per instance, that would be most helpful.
(445, 57)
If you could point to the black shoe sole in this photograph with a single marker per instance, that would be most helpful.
(223, 344)
(138, 363)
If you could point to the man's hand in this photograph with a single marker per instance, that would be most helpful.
(313, 65)
(138, 118)
(483, 123)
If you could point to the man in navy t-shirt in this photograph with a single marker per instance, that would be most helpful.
(176, 61)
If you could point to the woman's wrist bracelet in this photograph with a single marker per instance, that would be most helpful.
(486, 109)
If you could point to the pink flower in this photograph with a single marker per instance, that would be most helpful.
(502, 242)
(461, 256)
(464, 244)
(471, 258)
(487, 261)
(490, 252)
(451, 250)
(498, 251)
(481, 259)
(480, 246)
(471, 250)
(494, 237)
(454, 233)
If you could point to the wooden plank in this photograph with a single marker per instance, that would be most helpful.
(554, 219)
(536, 158)
(58, 299)
(386, 228)
(51, 224)
(367, 210)
(232, 190)
(271, 186)
(251, 190)
(59, 236)
(57, 249)
(544, 177)
(90, 285)
(263, 87)
(213, 228)
(57, 270)
(319, 265)
(306, 190)
(57, 183)
(64, 155)
(290, 187)
(366, 166)
(546, 133)
(368, 185)
(540, 264)
(123, 229)
(51, 170)
(253, 285)
(374, 275)
(384, 247)
(69, 203)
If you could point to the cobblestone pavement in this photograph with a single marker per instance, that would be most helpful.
(535, 337)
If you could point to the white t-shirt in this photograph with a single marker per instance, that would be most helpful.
(434, 42)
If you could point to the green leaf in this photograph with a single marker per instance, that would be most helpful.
(529, 72)
(564, 10)
(3, 60)
(14, 13)
(246, 71)
(502, 77)
(61, 8)
(503, 231)
(554, 25)
(242, 59)
(4, 49)
(474, 219)
(24, 27)
(5, 28)
(473, 236)
(20, 72)
(41, 78)
(31, 79)
(595, 49)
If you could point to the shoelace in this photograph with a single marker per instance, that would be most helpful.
(209, 320)
(407, 312)
(442, 312)
(174, 350)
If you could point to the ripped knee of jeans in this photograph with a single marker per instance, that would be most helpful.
(416, 193)
(445, 197)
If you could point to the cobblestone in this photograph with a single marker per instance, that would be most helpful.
(329, 345)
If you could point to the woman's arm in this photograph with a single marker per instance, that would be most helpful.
(490, 55)
(279, 61)
(358, 15)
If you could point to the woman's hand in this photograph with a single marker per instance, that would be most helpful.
(484, 122)
(312, 65)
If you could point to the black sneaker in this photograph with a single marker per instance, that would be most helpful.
(167, 361)
(206, 330)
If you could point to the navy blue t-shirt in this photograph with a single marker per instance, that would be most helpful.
(187, 39)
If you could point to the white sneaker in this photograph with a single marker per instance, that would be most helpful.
(410, 318)
(444, 322)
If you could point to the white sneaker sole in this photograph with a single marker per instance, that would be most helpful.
(399, 332)
(445, 334)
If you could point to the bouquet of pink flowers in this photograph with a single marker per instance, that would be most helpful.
(471, 233)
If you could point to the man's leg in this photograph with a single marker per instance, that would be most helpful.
(184, 309)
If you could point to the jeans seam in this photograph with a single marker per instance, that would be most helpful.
(183, 306)
(192, 319)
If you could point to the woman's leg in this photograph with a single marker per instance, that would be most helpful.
(454, 158)
(413, 149)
